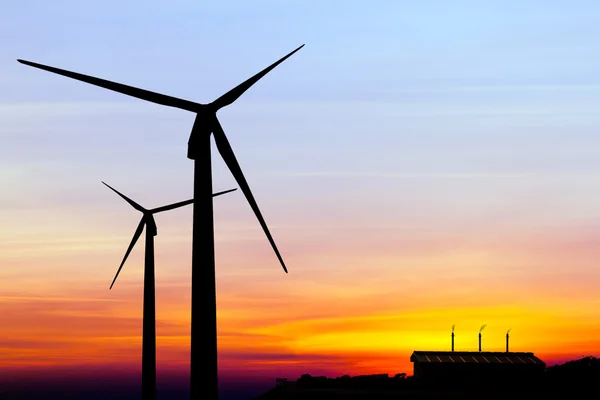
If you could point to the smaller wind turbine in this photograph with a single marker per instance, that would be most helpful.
(149, 312)
(507, 332)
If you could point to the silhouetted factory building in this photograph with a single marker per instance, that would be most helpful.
(481, 365)
(477, 367)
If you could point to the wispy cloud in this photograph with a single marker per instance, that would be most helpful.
(444, 175)
(79, 108)
(56, 299)
(440, 175)
(518, 88)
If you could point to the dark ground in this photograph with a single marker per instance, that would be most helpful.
(340, 394)
(574, 379)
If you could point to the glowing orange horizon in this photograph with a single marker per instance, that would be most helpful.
(351, 304)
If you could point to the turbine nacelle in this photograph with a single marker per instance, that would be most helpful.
(151, 228)
(205, 123)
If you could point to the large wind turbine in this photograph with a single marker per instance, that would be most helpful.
(149, 312)
(203, 366)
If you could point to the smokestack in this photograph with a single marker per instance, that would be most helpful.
(452, 337)
(507, 340)
(481, 329)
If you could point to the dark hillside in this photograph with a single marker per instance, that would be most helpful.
(559, 382)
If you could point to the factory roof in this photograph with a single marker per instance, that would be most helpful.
(474, 357)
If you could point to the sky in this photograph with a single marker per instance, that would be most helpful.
(419, 164)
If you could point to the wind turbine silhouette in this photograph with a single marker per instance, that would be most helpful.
(203, 363)
(149, 312)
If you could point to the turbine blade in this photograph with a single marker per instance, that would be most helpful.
(223, 192)
(127, 199)
(136, 236)
(237, 91)
(183, 203)
(171, 206)
(227, 153)
(143, 94)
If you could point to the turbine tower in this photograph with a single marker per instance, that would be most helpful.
(149, 312)
(203, 365)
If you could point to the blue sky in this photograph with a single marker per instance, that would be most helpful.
(394, 112)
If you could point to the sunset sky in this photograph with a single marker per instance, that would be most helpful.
(419, 166)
